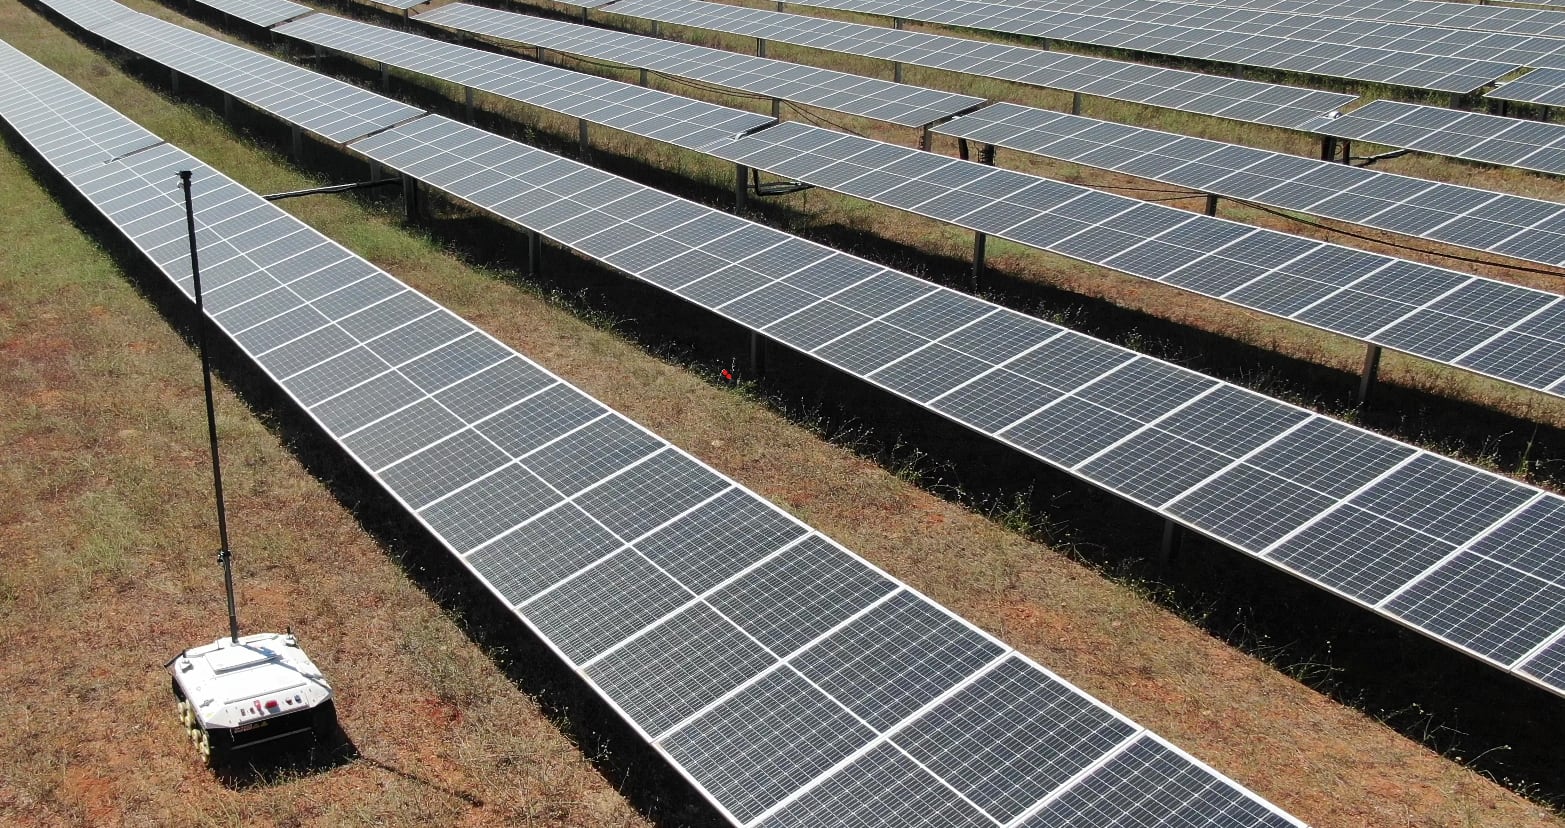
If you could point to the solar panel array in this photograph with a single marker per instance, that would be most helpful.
(264, 13)
(1492, 139)
(1545, 87)
(330, 108)
(1489, 327)
(1523, 228)
(1515, 49)
(838, 91)
(791, 681)
(1420, 12)
(645, 112)
(1361, 63)
(1458, 553)
(1242, 100)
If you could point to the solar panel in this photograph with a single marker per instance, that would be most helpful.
(264, 13)
(1442, 315)
(1290, 25)
(1509, 225)
(646, 112)
(721, 692)
(1545, 87)
(852, 94)
(1492, 139)
(332, 109)
(1483, 18)
(1243, 100)
(1306, 493)
(1397, 67)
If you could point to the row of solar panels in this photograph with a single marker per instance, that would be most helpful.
(793, 683)
(1492, 139)
(1448, 15)
(1460, 554)
(1490, 327)
(1509, 225)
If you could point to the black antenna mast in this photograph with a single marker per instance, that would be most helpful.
(224, 555)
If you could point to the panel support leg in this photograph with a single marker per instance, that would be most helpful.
(961, 148)
(1371, 373)
(760, 47)
(1211, 204)
(1328, 147)
(173, 81)
(538, 53)
(897, 22)
(1075, 103)
(410, 197)
(467, 102)
(385, 78)
(925, 139)
(655, 29)
(777, 108)
(583, 140)
(757, 355)
(298, 144)
(1173, 542)
(986, 153)
(534, 254)
(741, 174)
(896, 71)
(1347, 151)
(977, 280)
(228, 107)
(643, 77)
(375, 172)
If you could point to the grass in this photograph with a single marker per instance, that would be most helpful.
(108, 569)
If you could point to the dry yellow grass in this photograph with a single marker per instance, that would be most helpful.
(105, 532)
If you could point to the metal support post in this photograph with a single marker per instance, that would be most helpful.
(986, 153)
(643, 77)
(173, 81)
(896, 22)
(1075, 103)
(228, 107)
(584, 14)
(961, 148)
(757, 355)
(896, 71)
(978, 260)
(534, 253)
(925, 139)
(298, 143)
(655, 32)
(583, 143)
(760, 47)
(1328, 147)
(467, 102)
(1173, 542)
(1211, 204)
(410, 197)
(538, 53)
(375, 171)
(1347, 151)
(385, 78)
(1371, 373)
(777, 108)
(741, 174)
